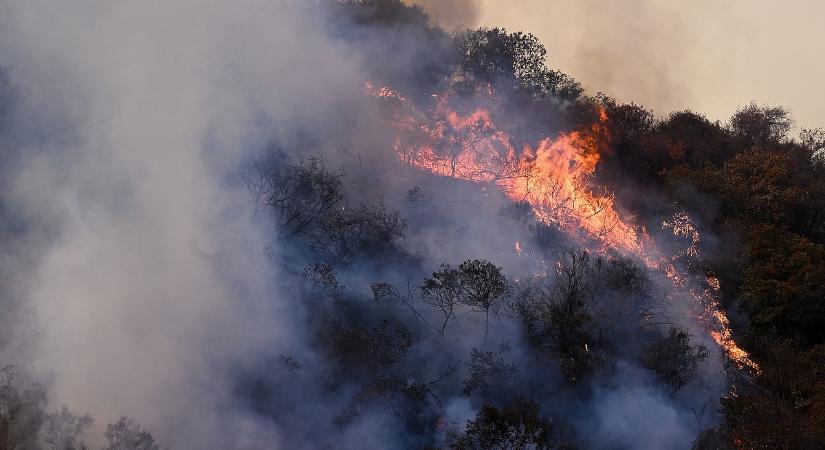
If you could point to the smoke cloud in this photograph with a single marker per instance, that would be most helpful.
(149, 280)
(453, 15)
(707, 56)
(153, 286)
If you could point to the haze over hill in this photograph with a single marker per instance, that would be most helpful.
(709, 56)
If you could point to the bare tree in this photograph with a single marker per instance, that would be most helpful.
(370, 229)
(299, 195)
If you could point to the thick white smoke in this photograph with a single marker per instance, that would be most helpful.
(149, 283)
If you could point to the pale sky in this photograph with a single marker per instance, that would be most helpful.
(712, 56)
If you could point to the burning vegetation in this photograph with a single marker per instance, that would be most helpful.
(471, 252)
(555, 180)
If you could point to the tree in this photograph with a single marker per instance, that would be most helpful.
(628, 123)
(457, 141)
(25, 424)
(369, 229)
(126, 434)
(786, 411)
(22, 411)
(814, 140)
(382, 12)
(760, 186)
(673, 359)
(761, 125)
(515, 60)
(443, 292)
(298, 195)
(756, 186)
(489, 375)
(403, 399)
(364, 353)
(478, 284)
(570, 314)
(691, 138)
(482, 285)
(784, 288)
(62, 430)
(517, 426)
(558, 316)
(714, 438)
(323, 279)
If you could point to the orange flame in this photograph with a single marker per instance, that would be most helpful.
(554, 178)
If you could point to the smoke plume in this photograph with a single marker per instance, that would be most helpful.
(148, 281)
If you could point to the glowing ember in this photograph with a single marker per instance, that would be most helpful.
(554, 178)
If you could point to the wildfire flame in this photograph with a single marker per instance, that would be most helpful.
(555, 178)
(706, 299)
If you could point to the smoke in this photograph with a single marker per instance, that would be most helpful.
(152, 286)
(631, 50)
(707, 56)
(453, 15)
(150, 280)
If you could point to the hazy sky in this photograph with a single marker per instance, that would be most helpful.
(708, 55)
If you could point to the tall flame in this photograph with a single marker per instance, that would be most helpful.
(555, 178)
